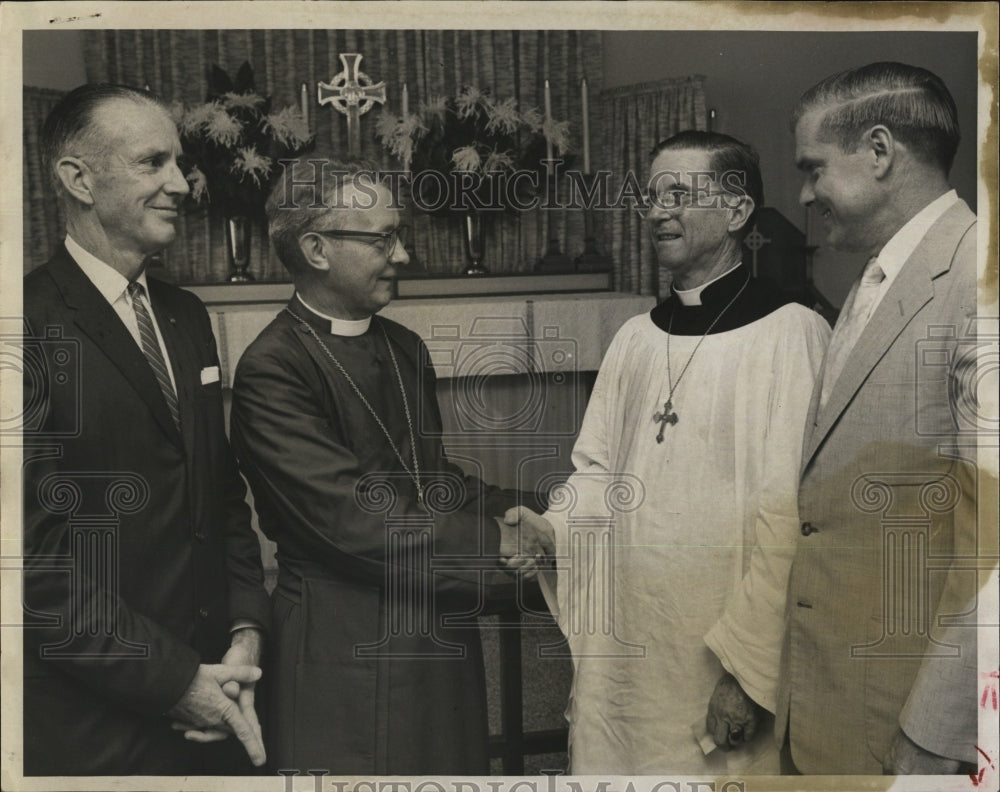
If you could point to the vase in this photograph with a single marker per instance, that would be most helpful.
(473, 230)
(238, 248)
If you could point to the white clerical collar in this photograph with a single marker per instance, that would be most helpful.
(897, 250)
(341, 327)
(106, 279)
(693, 296)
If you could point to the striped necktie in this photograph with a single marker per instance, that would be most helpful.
(850, 324)
(151, 349)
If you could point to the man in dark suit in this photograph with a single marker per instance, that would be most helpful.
(879, 667)
(143, 587)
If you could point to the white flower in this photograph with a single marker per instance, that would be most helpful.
(251, 101)
(498, 161)
(249, 162)
(199, 185)
(434, 108)
(532, 119)
(222, 128)
(399, 134)
(288, 127)
(194, 119)
(467, 101)
(557, 133)
(385, 126)
(503, 117)
(466, 158)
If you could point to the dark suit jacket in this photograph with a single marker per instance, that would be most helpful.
(882, 596)
(137, 541)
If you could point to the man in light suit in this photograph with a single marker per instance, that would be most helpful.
(143, 586)
(879, 664)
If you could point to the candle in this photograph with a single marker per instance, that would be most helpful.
(304, 102)
(406, 112)
(548, 117)
(585, 103)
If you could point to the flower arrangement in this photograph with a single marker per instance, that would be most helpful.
(233, 141)
(472, 133)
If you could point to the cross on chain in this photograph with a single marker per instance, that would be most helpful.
(352, 93)
(664, 418)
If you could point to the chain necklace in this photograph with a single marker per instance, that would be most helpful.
(668, 417)
(415, 472)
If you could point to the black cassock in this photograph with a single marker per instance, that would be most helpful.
(370, 670)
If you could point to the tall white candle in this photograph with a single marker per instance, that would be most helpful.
(585, 103)
(548, 117)
(406, 111)
(304, 102)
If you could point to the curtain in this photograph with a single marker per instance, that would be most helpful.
(174, 63)
(636, 118)
(42, 218)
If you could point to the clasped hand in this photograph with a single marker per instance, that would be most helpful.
(526, 538)
(733, 716)
(219, 701)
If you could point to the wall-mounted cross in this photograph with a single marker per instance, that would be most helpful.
(754, 241)
(352, 93)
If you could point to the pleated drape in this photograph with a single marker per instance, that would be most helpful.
(636, 118)
(42, 219)
(174, 64)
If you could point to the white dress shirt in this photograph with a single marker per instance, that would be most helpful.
(113, 286)
(897, 250)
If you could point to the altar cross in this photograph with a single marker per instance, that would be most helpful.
(754, 241)
(352, 93)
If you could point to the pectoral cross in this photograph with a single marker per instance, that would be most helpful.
(664, 418)
(352, 93)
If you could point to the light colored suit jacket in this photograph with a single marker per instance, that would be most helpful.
(880, 621)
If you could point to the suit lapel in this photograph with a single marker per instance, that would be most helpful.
(912, 289)
(98, 320)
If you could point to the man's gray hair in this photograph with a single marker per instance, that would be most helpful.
(307, 191)
(70, 128)
(913, 103)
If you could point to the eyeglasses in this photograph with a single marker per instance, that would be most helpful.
(385, 241)
(674, 200)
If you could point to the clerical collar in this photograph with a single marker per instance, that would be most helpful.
(693, 296)
(757, 300)
(340, 327)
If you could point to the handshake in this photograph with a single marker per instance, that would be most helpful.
(526, 541)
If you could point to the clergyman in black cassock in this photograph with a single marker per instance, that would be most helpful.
(383, 544)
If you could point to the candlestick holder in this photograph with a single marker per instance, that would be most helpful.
(591, 259)
(474, 244)
(554, 259)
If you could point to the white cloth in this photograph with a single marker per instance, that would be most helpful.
(113, 286)
(692, 580)
(858, 309)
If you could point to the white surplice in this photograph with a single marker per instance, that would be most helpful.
(673, 557)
